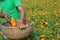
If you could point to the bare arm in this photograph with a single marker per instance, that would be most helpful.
(4, 15)
(0, 13)
(22, 11)
(22, 16)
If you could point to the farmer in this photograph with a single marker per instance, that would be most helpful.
(12, 8)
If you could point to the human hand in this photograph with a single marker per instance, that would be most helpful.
(6, 16)
(21, 25)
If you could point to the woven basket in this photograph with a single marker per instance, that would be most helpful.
(15, 32)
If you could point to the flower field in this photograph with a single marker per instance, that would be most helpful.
(46, 17)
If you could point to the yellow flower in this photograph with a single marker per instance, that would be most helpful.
(59, 31)
(36, 19)
(43, 13)
(42, 1)
(56, 15)
(41, 20)
(35, 9)
(42, 26)
(46, 16)
(59, 20)
(42, 38)
(13, 22)
(55, 2)
(57, 24)
(58, 11)
(28, 18)
(58, 36)
(53, 39)
(47, 5)
(46, 23)
(59, 4)
(0, 32)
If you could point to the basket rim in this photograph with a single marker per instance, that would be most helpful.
(31, 23)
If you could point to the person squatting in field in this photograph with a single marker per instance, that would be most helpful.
(12, 8)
